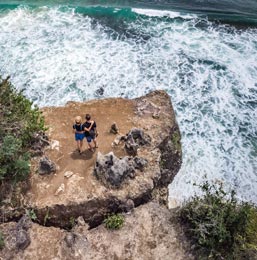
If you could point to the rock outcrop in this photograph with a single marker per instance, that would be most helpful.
(147, 234)
(112, 171)
(148, 155)
(132, 166)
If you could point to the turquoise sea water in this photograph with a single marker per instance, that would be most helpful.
(203, 53)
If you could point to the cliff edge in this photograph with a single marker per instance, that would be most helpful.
(130, 168)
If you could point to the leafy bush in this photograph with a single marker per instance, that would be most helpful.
(19, 121)
(114, 221)
(1, 241)
(222, 227)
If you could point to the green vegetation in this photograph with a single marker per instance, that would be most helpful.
(114, 221)
(175, 138)
(31, 214)
(220, 226)
(1, 241)
(72, 222)
(19, 121)
(47, 216)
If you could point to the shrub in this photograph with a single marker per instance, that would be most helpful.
(222, 227)
(19, 121)
(114, 221)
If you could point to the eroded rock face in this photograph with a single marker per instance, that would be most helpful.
(134, 139)
(147, 234)
(112, 171)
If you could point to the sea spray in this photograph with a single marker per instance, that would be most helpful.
(57, 54)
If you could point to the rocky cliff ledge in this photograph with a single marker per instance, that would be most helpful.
(130, 168)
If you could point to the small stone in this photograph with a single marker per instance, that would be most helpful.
(116, 141)
(68, 174)
(114, 129)
(129, 205)
(55, 145)
(22, 239)
(60, 189)
(81, 221)
(70, 239)
(156, 115)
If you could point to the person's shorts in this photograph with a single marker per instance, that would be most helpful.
(79, 137)
(90, 138)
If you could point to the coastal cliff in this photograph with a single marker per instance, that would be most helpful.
(70, 202)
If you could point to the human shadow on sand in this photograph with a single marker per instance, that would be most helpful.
(85, 155)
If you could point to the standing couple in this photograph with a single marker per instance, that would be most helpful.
(88, 130)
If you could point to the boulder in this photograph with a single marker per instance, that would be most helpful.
(111, 170)
(134, 139)
(24, 223)
(114, 129)
(22, 239)
(46, 166)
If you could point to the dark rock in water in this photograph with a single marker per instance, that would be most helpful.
(111, 170)
(70, 239)
(24, 223)
(99, 92)
(22, 239)
(46, 166)
(114, 129)
(135, 138)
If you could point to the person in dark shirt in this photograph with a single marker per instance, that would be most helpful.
(78, 130)
(90, 132)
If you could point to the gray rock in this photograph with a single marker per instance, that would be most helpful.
(81, 221)
(129, 205)
(46, 166)
(70, 239)
(140, 163)
(114, 129)
(24, 223)
(111, 170)
(135, 138)
(22, 239)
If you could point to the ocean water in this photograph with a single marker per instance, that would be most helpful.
(202, 52)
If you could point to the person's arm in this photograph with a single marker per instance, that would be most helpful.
(88, 129)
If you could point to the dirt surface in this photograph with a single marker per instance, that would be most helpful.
(64, 152)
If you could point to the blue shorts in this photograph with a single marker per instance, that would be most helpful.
(90, 138)
(79, 137)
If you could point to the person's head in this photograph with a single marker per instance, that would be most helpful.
(87, 117)
(78, 119)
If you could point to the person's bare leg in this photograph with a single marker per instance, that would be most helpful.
(90, 147)
(80, 146)
(95, 143)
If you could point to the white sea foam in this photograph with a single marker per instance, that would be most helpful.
(210, 74)
(162, 13)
